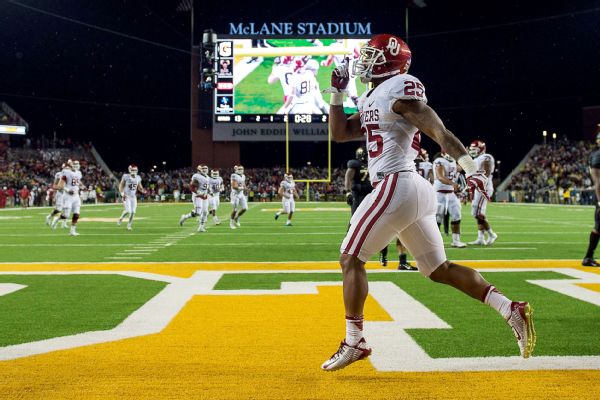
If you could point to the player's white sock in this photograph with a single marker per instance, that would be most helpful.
(497, 301)
(130, 219)
(456, 237)
(480, 234)
(203, 218)
(354, 329)
(123, 214)
(187, 216)
(289, 222)
(490, 232)
(278, 213)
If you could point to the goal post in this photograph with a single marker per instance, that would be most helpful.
(287, 160)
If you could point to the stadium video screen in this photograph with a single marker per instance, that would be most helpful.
(267, 80)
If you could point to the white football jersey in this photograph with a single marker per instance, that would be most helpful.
(241, 182)
(216, 185)
(131, 184)
(479, 160)
(392, 141)
(72, 180)
(450, 172)
(202, 182)
(424, 169)
(57, 177)
(284, 72)
(288, 189)
(304, 87)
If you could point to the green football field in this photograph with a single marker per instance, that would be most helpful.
(525, 232)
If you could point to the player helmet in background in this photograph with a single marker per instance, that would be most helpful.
(313, 66)
(384, 55)
(63, 166)
(476, 148)
(203, 169)
(75, 165)
(238, 169)
(69, 164)
(214, 173)
(299, 65)
(133, 169)
(361, 154)
(288, 177)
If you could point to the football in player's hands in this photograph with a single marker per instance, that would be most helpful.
(477, 181)
(340, 77)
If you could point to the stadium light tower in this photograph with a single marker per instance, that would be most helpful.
(544, 134)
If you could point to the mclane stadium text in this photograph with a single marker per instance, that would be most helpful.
(301, 28)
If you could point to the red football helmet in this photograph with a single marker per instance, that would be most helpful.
(383, 55)
(476, 148)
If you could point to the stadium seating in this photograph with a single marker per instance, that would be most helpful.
(555, 173)
(34, 168)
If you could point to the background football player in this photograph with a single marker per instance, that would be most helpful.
(289, 194)
(444, 184)
(128, 187)
(594, 164)
(214, 200)
(239, 202)
(424, 166)
(282, 70)
(58, 200)
(485, 162)
(403, 203)
(200, 188)
(70, 182)
(305, 91)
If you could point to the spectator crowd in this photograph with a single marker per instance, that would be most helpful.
(555, 173)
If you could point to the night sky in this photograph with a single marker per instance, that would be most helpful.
(499, 70)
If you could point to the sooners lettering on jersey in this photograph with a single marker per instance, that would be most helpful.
(449, 173)
(392, 141)
(202, 184)
(131, 184)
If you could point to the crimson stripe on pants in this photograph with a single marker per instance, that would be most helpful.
(386, 203)
(366, 215)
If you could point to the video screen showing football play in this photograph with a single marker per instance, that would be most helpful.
(319, 200)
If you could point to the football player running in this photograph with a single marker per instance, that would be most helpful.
(200, 187)
(128, 187)
(216, 187)
(239, 202)
(444, 184)
(403, 203)
(485, 162)
(58, 200)
(70, 181)
(424, 166)
(287, 191)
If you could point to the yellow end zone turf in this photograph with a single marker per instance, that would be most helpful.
(186, 269)
(260, 347)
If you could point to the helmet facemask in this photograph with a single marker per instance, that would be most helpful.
(369, 57)
(214, 173)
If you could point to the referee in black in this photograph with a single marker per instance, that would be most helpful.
(588, 260)
(358, 186)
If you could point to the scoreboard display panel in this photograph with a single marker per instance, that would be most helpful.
(280, 80)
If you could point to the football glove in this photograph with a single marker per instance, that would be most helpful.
(340, 77)
(477, 181)
(349, 198)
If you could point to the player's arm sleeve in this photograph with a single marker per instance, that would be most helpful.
(407, 88)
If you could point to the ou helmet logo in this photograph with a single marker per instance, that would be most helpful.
(393, 46)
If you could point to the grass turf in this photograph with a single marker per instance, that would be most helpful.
(525, 232)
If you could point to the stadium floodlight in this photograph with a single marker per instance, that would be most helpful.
(554, 136)
(545, 133)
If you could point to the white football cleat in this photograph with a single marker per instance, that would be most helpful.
(481, 242)
(346, 355)
(491, 239)
(201, 228)
(237, 222)
(54, 224)
(521, 322)
(458, 244)
(182, 220)
(129, 227)
(216, 221)
(48, 220)
(119, 221)
(232, 224)
(64, 225)
(73, 232)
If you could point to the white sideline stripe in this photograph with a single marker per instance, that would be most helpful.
(123, 258)
(8, 288)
